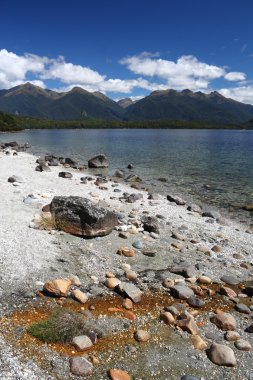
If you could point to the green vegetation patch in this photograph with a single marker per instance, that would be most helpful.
(8, 122)
(60, 327)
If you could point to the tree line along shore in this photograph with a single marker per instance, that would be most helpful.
(11, 123)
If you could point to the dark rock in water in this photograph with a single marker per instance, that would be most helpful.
(150, 224)
(11, 144)
(119, 174)
(174, 198)
(229, 279)
(15, 178)
(79, 216)
(42, 168)
(70, 162)
(134, 197)
(195, 302)
(53, 162)
(130, 166)
(50, 157)
(133, 178)
(65, 175)
(99, 161)
(211, 214)
(184, 269)
(194, 208)
(181, 291)
(80, 366)
(248, 207)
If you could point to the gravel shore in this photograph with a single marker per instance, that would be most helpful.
(29, 257)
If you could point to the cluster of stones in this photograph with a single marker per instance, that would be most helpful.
(219, 354)
(12, 147)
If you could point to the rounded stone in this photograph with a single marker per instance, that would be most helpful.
(111, 283)
(137, 244)
(141, 336)
(221, 355)
(232, 336)
(204, 280)
(224, 321)
(118, 374)
(242, 308)
(80, 366)
(243, 345)
(127, 303)
(79, 296)
(82, 342)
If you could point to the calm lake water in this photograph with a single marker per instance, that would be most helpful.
(189, 159)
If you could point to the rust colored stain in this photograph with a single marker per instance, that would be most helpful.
(151, 304)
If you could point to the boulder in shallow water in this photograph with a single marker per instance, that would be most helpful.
(79, 216)
(99, 161)
(174, 198)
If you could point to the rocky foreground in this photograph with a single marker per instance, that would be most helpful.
(134, 285)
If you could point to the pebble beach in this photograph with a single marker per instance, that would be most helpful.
(186, 247)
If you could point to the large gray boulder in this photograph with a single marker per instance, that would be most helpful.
(99, 161)
(79, 216)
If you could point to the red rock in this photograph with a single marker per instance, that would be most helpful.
(118, 374)
(58, 287)
(125, 251)
(130, 315)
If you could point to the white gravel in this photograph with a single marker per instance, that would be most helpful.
(26, 254)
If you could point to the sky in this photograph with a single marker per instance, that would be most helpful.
(129, 48)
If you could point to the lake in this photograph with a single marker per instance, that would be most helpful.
(211, 166)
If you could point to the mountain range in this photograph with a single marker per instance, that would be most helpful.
(33, 101)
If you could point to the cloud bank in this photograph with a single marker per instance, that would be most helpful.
(149, 72)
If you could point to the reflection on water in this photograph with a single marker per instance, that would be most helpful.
(189, 159)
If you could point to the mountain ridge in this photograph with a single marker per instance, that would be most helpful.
(78, 104)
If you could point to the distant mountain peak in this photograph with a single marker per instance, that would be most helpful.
(30, 100)
(126, 102)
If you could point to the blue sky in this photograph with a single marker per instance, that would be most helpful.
(129, 48)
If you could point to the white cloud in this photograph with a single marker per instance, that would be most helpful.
(14, 68)
(186, 72)
(70, 73)
(235, 76)
(242, 94)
